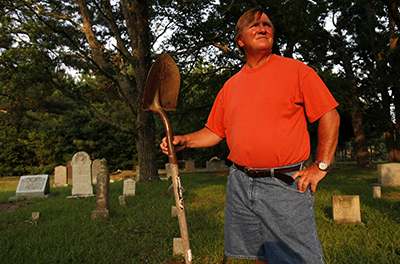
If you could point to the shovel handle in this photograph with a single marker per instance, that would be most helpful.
(177, 187)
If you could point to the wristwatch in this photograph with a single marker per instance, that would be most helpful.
(322, 165)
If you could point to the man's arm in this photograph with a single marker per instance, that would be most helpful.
(201, 139)
(328, 133)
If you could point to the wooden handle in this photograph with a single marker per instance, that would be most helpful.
(177, 187)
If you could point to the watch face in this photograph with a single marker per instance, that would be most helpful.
(323, 165)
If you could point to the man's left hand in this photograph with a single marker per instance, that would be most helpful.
(311, 175)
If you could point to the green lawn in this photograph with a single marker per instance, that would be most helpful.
(143, 231)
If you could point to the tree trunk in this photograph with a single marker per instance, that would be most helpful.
(146, 148)
(361, 146)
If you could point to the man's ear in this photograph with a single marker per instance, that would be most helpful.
(240, 42)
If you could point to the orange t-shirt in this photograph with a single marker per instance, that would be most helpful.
(262, 112)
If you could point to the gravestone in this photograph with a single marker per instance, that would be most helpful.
(60, 176)
(168, 170)
(95, 170)
(178, 246)
(215, 165)
(35, 216)
(81, 175)
(189, 166)
(174, 212)
(376, 191)
(32, 186)
(129, 187)
(389, 174)
(170, 190)
(122, 200)
(102, 192)
(346, 209)
(69, 170)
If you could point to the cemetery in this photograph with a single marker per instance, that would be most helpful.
(121, 220)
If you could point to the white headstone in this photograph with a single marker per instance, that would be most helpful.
(32, 186)
(81, 175)
(60, 176)
(129, 187)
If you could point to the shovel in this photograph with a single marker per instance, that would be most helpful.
(161, 92)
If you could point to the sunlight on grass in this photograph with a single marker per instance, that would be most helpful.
(143, 231)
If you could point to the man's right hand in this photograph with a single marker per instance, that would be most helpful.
(178, 141)
(203, 138)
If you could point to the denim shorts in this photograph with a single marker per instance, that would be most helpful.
(269, 219)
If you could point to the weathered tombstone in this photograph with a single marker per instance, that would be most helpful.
(168, 170)
(60, 176)
(170, 190)
(129, 187)
(389, 174)
(178, 246)
(174, 212)
(35, 216)
(32, 186)
(346, 209)
(122, 200)
(69, 170)
(215, 165)
(81, 175)
(95, 170)
(189, 166)
(102, 192)
(376, 191)
(137, 170)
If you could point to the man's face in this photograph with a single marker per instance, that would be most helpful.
(257, 36)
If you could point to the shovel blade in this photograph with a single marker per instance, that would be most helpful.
(164, 79)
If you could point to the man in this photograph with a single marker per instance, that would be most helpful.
(262, 112)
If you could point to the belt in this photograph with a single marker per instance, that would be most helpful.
(277, 173)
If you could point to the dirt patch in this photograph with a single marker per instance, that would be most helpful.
(7, 207)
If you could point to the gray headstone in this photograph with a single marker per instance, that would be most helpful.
(32, 186)
(215, 165)
(102, 192)
(95, 170)
(389, 174)
(122, 200)
(60, 176)
(81, 175)
(170, 190)
(346, 209)
(129, 187)
(174, 212)
(189, 166)
(168, 170)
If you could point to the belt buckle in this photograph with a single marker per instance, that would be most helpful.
(248, 170)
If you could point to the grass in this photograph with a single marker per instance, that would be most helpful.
(143, 231)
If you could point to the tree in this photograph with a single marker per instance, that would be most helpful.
(104, 39)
